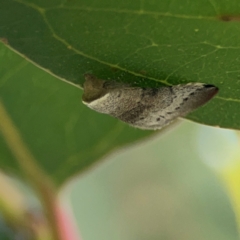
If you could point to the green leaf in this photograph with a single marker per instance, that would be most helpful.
(145, 42)
(148, 43)
(64, 135)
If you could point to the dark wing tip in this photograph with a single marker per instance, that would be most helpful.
(210, 86)
(211, 89)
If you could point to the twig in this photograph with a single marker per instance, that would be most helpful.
(41, 183)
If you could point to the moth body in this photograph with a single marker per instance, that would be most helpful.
(145, 108)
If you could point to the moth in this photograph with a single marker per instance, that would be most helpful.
(145, 108)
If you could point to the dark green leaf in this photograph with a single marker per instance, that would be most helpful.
(144, 42)
(64, 135)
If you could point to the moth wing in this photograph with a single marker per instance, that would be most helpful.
(168, 103)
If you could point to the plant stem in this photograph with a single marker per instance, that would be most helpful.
(40, 181)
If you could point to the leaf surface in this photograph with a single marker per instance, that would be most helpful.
(64, 135)
(145, 42)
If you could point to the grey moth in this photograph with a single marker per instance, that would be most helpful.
(145, 108)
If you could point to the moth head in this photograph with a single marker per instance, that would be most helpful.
(93, 88)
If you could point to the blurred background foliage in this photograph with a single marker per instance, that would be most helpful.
(163, 188)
